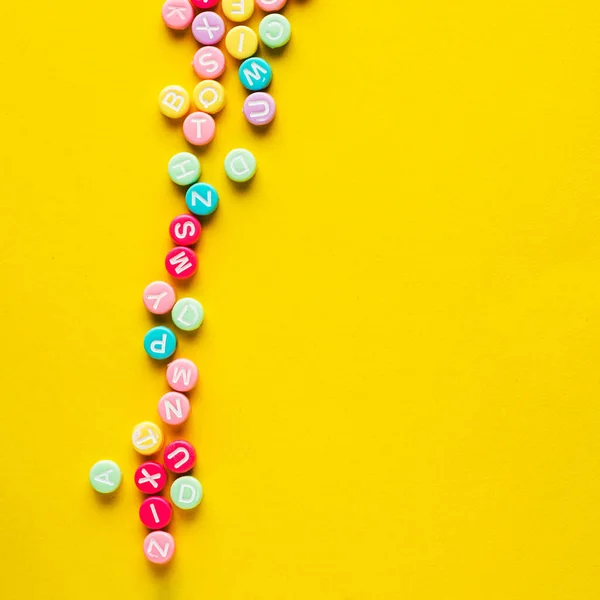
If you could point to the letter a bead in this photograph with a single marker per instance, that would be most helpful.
(209, 62)
(184, 168)
(179, 456)
(105, 476)
(174, 408)
(174, 101)
(188, 314)
(147, 438)
(150, 478)
(255, 74)
(159, 547)
(208, 28)
(181, 262)
(238, 10)
(160, 343)
(155, 512)
(186, 492)
(202, 199)
(259, 108)
(240, 165)
(270, 5)
(199, 128)
(185, 230)
(159, 297)
(275, 31)
(182, 375)
(177, 14)
(241, 42)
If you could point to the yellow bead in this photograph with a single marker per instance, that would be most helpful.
(147, 438)
(209, 96)
(174, 101)
(238, 10)
(241, 42)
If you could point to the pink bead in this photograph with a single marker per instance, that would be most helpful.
(259, 108)
(177, 14)
(181, 262)
(174, 408)
(185, 230)
(270, 5)
(199, 128)
(208, 28)
(159, 297)
(182, 375)
(179, 457)
(209, 62)
(155, 512)
(204, 4)
(150, 478)
(159, 547)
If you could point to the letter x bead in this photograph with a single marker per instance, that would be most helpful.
(155, 512)
(208, 28)
(179, 456)
(150, 478)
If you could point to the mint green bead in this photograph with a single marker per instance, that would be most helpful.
(184, 168)
(186, 492)
(275, 31)
(188, 314)
(240, 165)
(105, 476)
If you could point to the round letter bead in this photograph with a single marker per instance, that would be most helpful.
(209, 62)
(179, 456)
(155, 512)
(187, 314)
(184, 168)
(209, 96)
(160, 343)
(255, 74)
(240, 165)
(159, 547)
(181, 262)
(208, 28)
(182, 375)
(177, 14)
(199, 129)
(238, 10)
(269, 5)
(105, 476)
(174, 408)
(259, 108)
(185, 230)
(205, 4)
(173, 101)
(186, 492)
(202, 199)
(147, 438)
(275, 31)
(241, 42)
(159, 297)
(150, 478)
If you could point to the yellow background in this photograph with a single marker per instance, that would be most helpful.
(400, 361)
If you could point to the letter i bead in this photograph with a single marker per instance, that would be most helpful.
(155, 512)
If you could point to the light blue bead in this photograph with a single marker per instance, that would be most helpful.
(202, 199)
(160, 342)
(255, 74)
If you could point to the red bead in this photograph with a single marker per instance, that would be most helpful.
(204, 4)
(150, 478)
(180, 456)
(155, 512)
(185, 230)
(181, 262)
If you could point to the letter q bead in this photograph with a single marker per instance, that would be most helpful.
(185, 231)
(182, 375)
(159, 547)
(147, 438)
(181, 262)
(209, 96)
(159, 297)
(259, 108)
(179, 457)
(177, 14)
(269, 5)
(160, 343)
(155, 512)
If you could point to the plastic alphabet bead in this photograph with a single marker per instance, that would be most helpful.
(209, 62)
(186, 492)
(241, 42)
(269, 5)
(199, 129)
(173, 101)
(179, 457)
(182, 375)
(159, 297)
(240, 165)
(181, 262)
(238, 10)
(177, 14)
(160, 343)
(147, 438)
(202, 199)
(155, 512)
(255, 74)
(188, 314)
(184, 168)
(174, 408)
(204, 4)
(275, 31)
(185, 230)
(159, 547)
(150, 478)
(208, 28)
(209, 96)
(105, 476)
(259, 108)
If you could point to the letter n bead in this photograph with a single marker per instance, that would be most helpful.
(181, 262)
(202, 199)
(159, 547)
(174, 408)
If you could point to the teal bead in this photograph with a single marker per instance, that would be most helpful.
(255, 74)
(186, 492)
(275, 31)
(184, 168)
(202, 199)
(160, 343)
(240, 165)
(105, 476)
